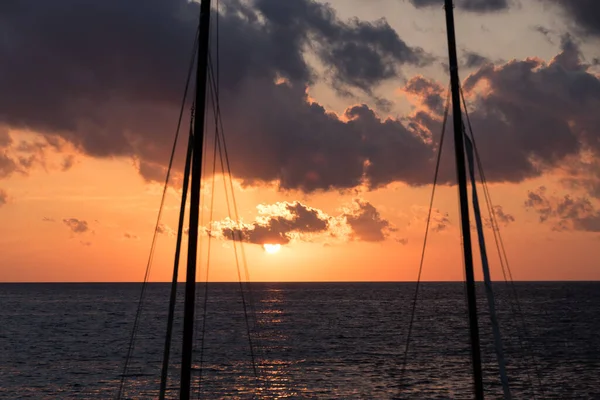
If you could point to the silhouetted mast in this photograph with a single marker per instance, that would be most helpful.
(198, 140)
(459, 148)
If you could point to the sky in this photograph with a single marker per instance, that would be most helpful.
(332, 115)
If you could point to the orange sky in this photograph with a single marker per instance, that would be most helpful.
(94, 220)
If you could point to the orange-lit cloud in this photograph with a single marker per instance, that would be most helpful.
(283, 222)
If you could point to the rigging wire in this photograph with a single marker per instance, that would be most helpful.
(415, 297)
(173, 294)
(486, 270)
(251, 301)
(222, 150)
(214, 95)
(504, 258)
(208, 255)
(202, 215)
(135, 328)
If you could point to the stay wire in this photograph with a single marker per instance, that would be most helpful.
(505, 267)
(135, 328)
(208, 255)
(415, 297)
(218, 122)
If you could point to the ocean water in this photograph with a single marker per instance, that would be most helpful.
(312, 340)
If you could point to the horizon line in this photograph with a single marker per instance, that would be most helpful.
(261, 282)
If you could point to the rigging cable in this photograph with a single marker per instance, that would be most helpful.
(173, 294)
(504, 259)
(208, 255)
(131, 345)
(435, 179)
(223, 149)
(486, 270)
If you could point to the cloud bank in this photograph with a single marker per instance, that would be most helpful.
(115, 92)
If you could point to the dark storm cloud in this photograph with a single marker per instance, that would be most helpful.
(478, 6)
(584, 13)
(115, 91)
(566, 213)
(533, 116)
(76, 225)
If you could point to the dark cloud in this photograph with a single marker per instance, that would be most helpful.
(5, 138)
(479, 6)
(7, 165)
(128, 235)
(548, 33)
(115, 92)
(3, 197)
(584, 13)
(76, 225)
(532, 116)
(283, 222)
(291, 218)
(430, 92)
(472, 59)
(566, 213)
(366, 223)
(502, 218)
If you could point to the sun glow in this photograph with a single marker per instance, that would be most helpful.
(271, 248)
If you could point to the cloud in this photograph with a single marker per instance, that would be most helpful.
(3, 197)
(584, 13)
(76, 225)
(106, 83)
(48, 219)
(277, 224)
(472, 59)
(109, 96)
(440, 221)
(21, 156)
(5, 138)
(531, 117)
(566, 213)
(283, 222)
(502, 218)
(128, 235)
(165, 230)
(359, 54)
(366, 222)
(478, 6)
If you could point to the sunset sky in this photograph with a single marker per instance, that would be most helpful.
(332, 113)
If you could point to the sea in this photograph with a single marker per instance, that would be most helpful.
(307, 340)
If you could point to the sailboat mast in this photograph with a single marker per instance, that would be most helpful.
(459, 147)
(198, 140)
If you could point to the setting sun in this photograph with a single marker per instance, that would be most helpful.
(271, 248)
